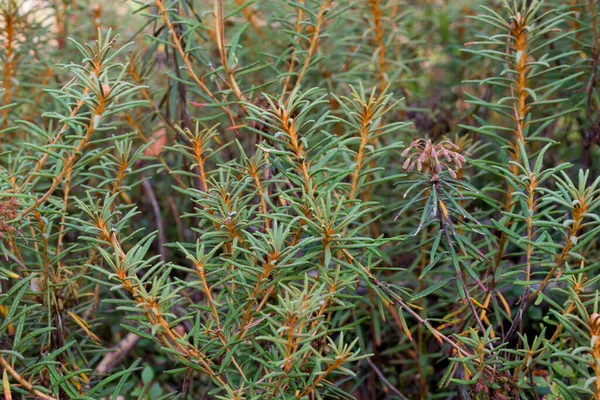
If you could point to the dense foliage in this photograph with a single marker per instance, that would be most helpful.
(300, 199)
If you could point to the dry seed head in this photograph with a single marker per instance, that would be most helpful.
(8, 211)
(433, 158)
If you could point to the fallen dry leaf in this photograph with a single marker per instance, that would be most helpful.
(159, 139)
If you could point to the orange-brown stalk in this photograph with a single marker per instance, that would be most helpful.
(41, 225)
(66, 191)
(25, 384)
(518, 45)
(56, 139)
(519, 34)
(200, 161)
(320, 313)
(294, 331)
(395, 300)
(267, 267)
(9, 14)
(288, 125)
(254, 173)
(292, 63)
(314, 42)
(137, 79)
(138, 129)
(61, 30)
(330, 368)
(577, 289)
(186, 58)
(97, 10)
(220, 37)
(579, 212)
(379, 40)
(251, 15)
(219, 332)
(70, 160)
(531, 207)
(168, 337)
(359, 159)
(594, 325)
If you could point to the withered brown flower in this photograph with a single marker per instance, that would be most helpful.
(433, 158)
(8, 211)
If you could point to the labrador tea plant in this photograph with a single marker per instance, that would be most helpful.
(299, 199)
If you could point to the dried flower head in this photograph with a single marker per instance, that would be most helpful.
(8, 211)
(433, 158)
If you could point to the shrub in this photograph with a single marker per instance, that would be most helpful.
(299, 200)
